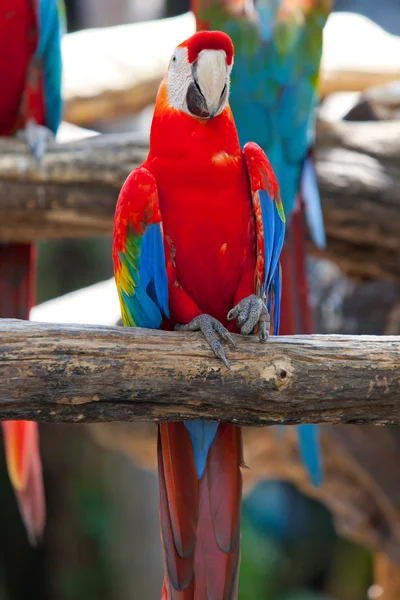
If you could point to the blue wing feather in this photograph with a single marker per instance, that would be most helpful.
(144, 260)
(277, 299)
(51, 28)
(310, 451)
(268, 219)
(274, 234)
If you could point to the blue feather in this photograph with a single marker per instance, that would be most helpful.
(144, 259)
(277, 299)
(278, 244)
(49, 53)
(312, 204)
(268, 219)
(152, 271)
(202, 434)
(310, 451)
(274, 233)
(144, 311)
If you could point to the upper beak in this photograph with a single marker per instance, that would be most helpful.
(207, 92)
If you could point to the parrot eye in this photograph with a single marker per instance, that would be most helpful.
(174, 58)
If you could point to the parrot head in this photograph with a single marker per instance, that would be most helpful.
(199, 74)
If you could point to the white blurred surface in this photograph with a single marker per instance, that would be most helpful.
(97, 304)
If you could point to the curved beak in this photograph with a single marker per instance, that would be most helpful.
(208, 91)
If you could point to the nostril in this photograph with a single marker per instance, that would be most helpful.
(223, 92)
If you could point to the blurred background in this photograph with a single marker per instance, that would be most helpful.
(298, 543)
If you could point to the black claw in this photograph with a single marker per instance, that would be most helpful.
(233, 313)
(263, 332)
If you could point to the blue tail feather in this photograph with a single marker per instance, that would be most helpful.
(202, 434)
(310, 451)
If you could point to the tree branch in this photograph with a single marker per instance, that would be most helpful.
(358, 169)
(65, 373)
(73, 193)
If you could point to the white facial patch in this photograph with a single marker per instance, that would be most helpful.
(179, 78)
(212, 76)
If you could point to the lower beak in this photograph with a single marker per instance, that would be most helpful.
(196, 102)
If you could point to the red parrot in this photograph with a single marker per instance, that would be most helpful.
(198, 232)
(30, 100)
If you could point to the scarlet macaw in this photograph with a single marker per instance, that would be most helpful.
(278, 47)
(30, 100)
(198, 232)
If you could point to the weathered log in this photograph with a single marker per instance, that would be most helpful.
(115, 71)
(73, 193)
(65, 373)
(358, 168)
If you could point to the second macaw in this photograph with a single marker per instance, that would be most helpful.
(198, 232)
(30, 102)
(278, 47)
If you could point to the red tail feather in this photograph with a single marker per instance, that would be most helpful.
(209, 514)
(21, 439)
(31, 500)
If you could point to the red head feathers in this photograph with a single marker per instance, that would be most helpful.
(208, 40)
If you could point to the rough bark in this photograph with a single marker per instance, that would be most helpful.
(358, 168)
(65, 373)
(73, 193)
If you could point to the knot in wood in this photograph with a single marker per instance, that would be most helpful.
(283, 372)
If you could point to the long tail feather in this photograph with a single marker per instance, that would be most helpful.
(208, 508)
(312, 203)
(296, 317)
(21, 438)
(310, 451)
(21, 442)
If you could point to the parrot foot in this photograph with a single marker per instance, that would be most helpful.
(211, 329)
(36, 136)
(248, 313)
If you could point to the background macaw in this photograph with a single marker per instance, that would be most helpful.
(30, 100)
(278, 47)
(198, 233)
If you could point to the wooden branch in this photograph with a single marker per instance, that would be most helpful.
(73, 193)
(65, 373)
(358, 168)
(115, 71)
